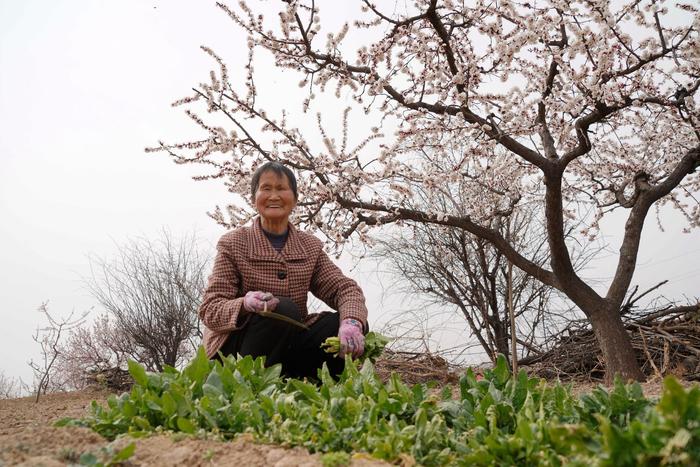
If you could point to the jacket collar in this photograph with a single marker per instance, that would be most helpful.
(260, 247)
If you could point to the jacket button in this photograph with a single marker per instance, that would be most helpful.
(281, 274)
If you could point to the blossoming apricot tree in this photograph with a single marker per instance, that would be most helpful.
(557, 103)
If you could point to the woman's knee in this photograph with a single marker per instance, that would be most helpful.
(288, 308)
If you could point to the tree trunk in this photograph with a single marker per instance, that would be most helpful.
(616, 346)
(500, 334)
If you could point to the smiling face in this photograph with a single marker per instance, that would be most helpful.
(274, 200)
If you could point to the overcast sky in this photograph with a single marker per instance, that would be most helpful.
(84, 87)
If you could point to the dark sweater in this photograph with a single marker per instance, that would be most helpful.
(277, 241)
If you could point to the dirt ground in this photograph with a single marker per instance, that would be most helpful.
(28, 437)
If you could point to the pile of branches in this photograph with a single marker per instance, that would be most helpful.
(115, 379)
(667, 341)
(416, 367)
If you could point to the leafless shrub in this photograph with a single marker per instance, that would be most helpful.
(87, 352)
(150, 292)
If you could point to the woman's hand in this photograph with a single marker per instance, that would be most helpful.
(352, 341)
(255, 301)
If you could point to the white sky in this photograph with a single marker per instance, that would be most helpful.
(84, 87)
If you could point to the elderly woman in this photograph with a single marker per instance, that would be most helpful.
(271, 267)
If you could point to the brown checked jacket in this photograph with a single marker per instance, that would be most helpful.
(246, 261)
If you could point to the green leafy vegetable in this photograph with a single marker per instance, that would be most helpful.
(498, 420)
(374, 346)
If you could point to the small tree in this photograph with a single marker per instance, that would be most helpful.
(151, 292)
(49, 339)
(9, 387)
(560, 103)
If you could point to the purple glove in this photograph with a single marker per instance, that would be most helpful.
(352, 341)
(256, 301)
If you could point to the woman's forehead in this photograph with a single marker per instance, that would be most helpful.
(272, 177)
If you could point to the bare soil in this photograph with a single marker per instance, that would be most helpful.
(28, 437)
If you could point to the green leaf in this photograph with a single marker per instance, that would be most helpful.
(155, 381)
(335, 459)
(673, 399)
(153, 402)
(374, 346)
(138, 372)
(185, 425)
(213, 386)
(324, 375)
(124, 453)
(128, 409)
(501, 371)
(142, 423)
(88, 458)
(168, 404)
(446, 393)
(199, 367)
(308, 390)
(167, 369)
(272, 374)
(245, 366)
(184, 404)
(68, 421)
(519, 389)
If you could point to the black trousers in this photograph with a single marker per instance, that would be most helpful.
(298, 350)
